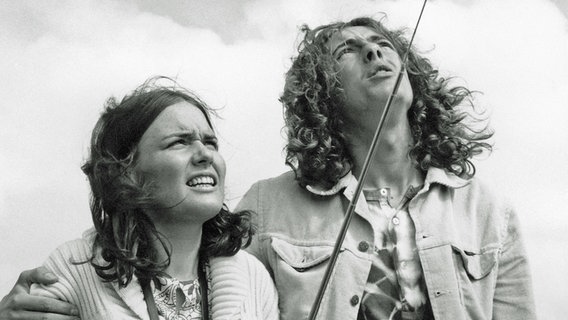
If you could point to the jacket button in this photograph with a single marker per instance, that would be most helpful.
(354, 300)
(363, 246)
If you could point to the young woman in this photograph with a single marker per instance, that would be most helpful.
(164, 246)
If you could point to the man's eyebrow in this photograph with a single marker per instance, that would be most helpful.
(376, 37)
(354, 41)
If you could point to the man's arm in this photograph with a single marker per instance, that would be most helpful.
(19, 304)
(513, 291)
(250, 202)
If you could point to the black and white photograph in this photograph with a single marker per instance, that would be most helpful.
(284, 159)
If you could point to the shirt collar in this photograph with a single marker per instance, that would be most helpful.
(433, 176)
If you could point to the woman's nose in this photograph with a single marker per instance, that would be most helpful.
(203, 155)
(371, 51)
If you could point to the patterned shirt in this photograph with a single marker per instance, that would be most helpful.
(395, 287)
(178, 300)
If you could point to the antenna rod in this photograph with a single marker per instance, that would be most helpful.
(360, 181)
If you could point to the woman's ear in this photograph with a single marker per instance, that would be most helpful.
(129, 167)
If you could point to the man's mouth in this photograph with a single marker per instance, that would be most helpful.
(378, 69)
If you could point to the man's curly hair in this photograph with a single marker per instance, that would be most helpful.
(125, 235)
(317, 148)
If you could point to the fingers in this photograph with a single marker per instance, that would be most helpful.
(38, 275)
(30, 315)
(19, 304)
(25, 306)
(43, 304)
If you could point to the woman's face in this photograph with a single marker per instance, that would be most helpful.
(178, 156)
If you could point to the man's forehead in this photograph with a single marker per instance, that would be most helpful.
(354, 32)
(362, 32)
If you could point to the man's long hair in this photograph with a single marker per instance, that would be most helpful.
(317, 148)
(125, 236)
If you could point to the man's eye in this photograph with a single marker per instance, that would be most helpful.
(344, 51)
(385, 43)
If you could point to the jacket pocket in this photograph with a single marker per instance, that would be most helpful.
(477, 265)
(301, 257)
(298, 268)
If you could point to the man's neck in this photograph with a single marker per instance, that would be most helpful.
(391, 167)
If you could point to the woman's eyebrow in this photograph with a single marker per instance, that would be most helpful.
(209, 134)
(190, 135)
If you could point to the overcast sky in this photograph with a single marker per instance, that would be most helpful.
(60, 60)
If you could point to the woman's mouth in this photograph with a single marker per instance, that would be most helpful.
(202, 182)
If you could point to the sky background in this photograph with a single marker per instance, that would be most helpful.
(60, 60)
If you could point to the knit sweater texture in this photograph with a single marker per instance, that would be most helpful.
(241, 288)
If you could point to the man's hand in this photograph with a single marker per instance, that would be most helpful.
(19, 304)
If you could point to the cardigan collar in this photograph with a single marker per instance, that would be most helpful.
(133, 296)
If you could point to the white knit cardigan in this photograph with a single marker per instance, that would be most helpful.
(241, 288)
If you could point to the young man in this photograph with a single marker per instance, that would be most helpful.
(428, 241)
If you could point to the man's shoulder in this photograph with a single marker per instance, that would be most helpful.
(286, 179)
(481, 189)
(471, 188)
(278, 187)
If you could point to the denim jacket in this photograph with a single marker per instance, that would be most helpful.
(468, 239)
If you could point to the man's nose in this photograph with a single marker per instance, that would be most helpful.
(203, 155)
(371, 51)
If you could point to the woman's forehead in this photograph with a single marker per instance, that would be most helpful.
(182, 116)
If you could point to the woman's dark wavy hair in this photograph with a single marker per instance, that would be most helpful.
(125, 235)
(312, 98)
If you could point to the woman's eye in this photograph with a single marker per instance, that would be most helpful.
(212, 143)
(177, 142)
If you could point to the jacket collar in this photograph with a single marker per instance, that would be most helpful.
(433, 176)
(443, 177)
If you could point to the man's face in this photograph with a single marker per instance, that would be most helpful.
(368, 65)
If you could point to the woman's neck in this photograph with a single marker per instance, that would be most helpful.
(185, 241)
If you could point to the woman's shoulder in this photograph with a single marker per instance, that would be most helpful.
(241, 285)
(241, 268)
(242, 261)
(78, 249)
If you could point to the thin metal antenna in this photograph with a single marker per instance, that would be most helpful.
(360, 181)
